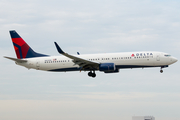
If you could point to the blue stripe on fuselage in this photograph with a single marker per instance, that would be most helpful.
(117, 67)
(65, 69)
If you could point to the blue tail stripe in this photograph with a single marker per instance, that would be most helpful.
(31, 54)
(14, 34)
(19, 48)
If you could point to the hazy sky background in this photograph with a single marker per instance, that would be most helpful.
(90, 26)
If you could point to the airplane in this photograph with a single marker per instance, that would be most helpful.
(107, 63)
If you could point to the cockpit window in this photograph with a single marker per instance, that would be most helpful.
(167, 55)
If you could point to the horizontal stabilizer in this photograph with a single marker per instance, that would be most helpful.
(15, 59)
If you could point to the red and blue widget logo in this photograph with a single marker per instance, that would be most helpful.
(132, 55)
(21, 48)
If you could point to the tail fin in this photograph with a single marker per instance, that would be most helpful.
(22, 49)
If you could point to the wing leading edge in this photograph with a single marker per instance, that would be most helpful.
(84, 63)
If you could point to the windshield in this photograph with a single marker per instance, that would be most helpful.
(167, 55)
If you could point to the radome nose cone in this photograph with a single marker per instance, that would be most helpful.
(175, 60)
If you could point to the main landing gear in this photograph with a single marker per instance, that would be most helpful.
(90, 74)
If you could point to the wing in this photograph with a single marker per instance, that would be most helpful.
(85, 64)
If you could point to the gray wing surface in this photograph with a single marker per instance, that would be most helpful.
(84, 63)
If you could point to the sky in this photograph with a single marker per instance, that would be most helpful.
(91, 26)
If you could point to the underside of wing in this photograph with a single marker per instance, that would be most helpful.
(83, 63)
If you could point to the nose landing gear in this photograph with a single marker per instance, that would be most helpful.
(161, 71)
(90, 74)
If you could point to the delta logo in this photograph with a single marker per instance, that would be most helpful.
(141, 54)
(132, 55)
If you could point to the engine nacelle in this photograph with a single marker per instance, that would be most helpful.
(116, 71)
(107, 67)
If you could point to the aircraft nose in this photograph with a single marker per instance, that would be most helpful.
(174, 59)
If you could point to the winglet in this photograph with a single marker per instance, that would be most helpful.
(59, 49)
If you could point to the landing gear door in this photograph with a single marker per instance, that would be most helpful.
(158, 57)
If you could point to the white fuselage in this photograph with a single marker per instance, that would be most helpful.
(121, 60)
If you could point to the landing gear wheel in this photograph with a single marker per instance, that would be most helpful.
(161, 71)
(90, 74)
(93, 75)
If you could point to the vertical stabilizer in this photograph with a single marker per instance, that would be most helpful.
(22, 49)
